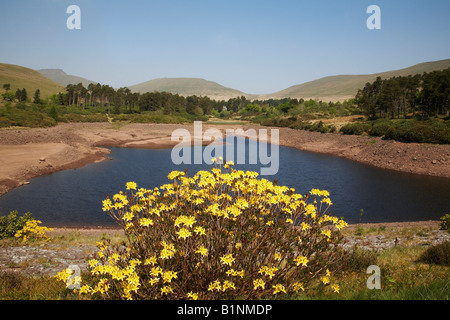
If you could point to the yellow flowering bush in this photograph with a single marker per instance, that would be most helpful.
(222, 234)
(32, 231)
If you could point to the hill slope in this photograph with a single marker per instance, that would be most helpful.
(59, 76)
(343, 87)
(188, 87)
(21, 77)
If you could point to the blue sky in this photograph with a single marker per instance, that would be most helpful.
(253, 46)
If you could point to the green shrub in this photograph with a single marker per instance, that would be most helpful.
(445, 223)
(355, 260)
(438, 254)
(74, 117)
(380, 127)
(358, 128)
(9, 225)
(431, 131)
(5, 122)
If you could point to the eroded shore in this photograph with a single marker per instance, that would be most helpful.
(27, 153)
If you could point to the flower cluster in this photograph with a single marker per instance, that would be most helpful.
(33, 230)
(221, 234)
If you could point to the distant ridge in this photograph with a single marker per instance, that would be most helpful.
(59, 76)
(188, 87)
(332, 88)
(20, 77)
(342, 87)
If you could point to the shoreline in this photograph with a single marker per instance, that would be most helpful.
(29, 153)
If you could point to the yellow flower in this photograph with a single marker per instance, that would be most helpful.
(175, 174)
(145, 222)
(279, 288)
(192, 295)
(166, 290)
(335, 288)
(228, 285)
(235, 273)
(325, 279)
(277, 256)
(156, 271)
(200, 230)
(64, 275)
(238, 245)
(189, 221)
(151, 260)
(85, 289)
(128, 216)
(131, 185)
(169, 275)
(184, 233)
(298, 286)
(341, 224)
(93, 263)
(215, 286)
(167, 252)
(258, 283)
(327, 233)
(267, 271)
(301, 260)
(107, 205)
(227, 259)
(305, 226)
(202, 250)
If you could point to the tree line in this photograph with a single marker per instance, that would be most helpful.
(123, 100)
(20, 95)
(426, 95)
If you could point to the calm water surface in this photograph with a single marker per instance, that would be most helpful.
(73, 198)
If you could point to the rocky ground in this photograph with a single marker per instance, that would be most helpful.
(47, 259)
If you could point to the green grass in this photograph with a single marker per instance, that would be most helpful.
(20, 77)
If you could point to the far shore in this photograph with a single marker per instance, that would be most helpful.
(27, 153)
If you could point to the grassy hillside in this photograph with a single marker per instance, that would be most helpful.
(188, 87)
(59, 76)
(338, 88)
(21, 77)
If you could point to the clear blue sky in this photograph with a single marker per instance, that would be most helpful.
(253, 46)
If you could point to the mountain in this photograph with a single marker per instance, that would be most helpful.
(188, 87)
(20, 77)
(59, 76)
(342, 87)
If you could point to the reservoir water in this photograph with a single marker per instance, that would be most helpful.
(73, 198)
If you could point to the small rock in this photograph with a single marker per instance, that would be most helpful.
(434, 162)
(42, 159)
